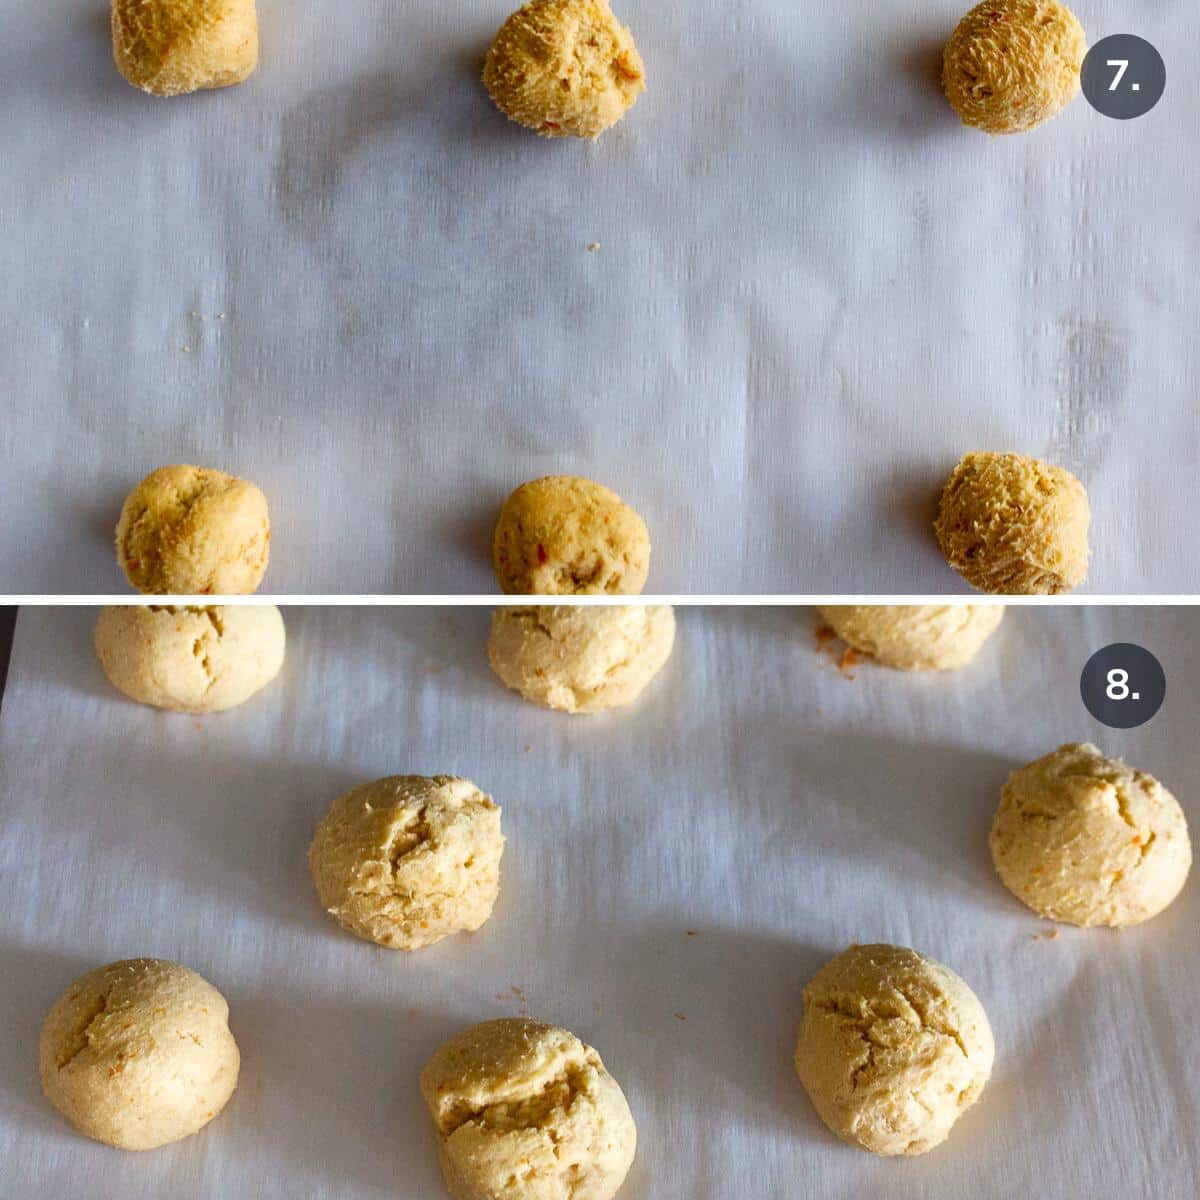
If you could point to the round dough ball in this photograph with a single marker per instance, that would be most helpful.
(1085, 839)
(139, 1053)
(188, 531)
(893, 1048)
(915, 637)
(408, 860)
(1013, 525)
(565, 68)
(193, 660)
(565, 536)
(518, 1099)
(1012, 64)
(168, 47)
(581, 660)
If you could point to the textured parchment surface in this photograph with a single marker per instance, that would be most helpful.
(673, 876)
(814, 292)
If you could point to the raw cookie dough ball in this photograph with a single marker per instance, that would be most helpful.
(1013, 525)
(408, 860)
(564, 536)
(565, 68)
(194, 531)
(518, 1100)
(139, 1053)
(1085, 839)
(194, 660)
(168, 47)
(1012, 64)
(915, 637)
(581, 660)
(892, 1049)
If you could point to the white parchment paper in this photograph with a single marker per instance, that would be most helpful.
(674, 874)
(353, 282)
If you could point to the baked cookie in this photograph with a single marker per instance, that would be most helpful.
(564, 68)
(194, 531)
(1013, 525)
(168, 47)
(1012, 64)
(893, 1047)
(408, 860)
(518, 1100)
(194, 660)
(139, 1053)
(581, 660)
(1085, 839)
(915, 637)
(563, 536)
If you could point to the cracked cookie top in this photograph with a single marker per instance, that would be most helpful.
(194, 531)
(893, 1047)
(138, 1053)
(526, 1108)
(581, 660)
(1083, 838)
(195, 660)
(407, 860)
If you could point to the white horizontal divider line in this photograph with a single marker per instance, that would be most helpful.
(688, 601)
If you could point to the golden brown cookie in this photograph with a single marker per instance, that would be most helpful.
(168, 47)
(193, 660)
(194, 531)
(915, 637)
(1085, 839)
(581, 660)
(138, 1053)
(1012, 64)
(892, 1049)
(1013, 525)
(518, 1100)
(564, 68)
(562, 536)
(408, 860)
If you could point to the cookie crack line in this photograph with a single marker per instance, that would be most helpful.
(80, 1039)
(409, 839)
(1142, 839)
(930, 1026)
(863, 1023)
(463, 1113)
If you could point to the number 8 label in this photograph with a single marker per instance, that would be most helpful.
(1123, 685)
(1118, 684)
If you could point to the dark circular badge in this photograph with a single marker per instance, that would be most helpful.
(1123, 76)
(1123, 685)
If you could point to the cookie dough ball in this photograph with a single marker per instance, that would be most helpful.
(893, 1048)
(139, 1053)
(581, 660)
(915, 637)
(408, 860)
(1013, 525)
(518, 1100)
(1085, 839)
(168, 47)
(193, 531)
(565, 68)
(565, 536)
(193, 660)
(1012, 64)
